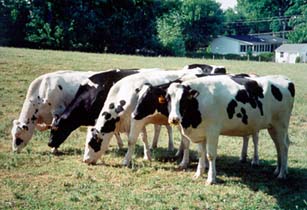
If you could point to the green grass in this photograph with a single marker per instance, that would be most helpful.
(35, 179)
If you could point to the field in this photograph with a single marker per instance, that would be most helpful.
(36, 179)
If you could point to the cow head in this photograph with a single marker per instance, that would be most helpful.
(21, 135)
(150, 100)
(99, 137)
(183, 105)
(60, 129)
(96, 145)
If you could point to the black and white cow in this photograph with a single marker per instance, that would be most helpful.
(86, 105)
(116, 113)
(88, 102)
(221, 105)
(47, 97)
(151, 102)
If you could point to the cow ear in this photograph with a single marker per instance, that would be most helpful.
(193, 93)
(161, 99)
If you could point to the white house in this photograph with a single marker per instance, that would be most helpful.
(291, 53)
(242, 44)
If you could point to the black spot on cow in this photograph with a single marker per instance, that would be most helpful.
(111, 106)
(109, 126)
(137, 90)
(95, 142)
(28, 121)
(49, 104)
(231, 108)
(25, 127)
(251, 93)
(33, 118)
(119, 109)
(188, 109)
(38, 97)
(276, 93)
(36, 111)
(244, 116)
(60, 87)
(19, 141)
(291, 88)
(122, 102)
(106, 115)
(239, 115)
(242, 96)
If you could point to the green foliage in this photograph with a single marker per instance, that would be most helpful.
(299, 22)
(170, 35)
(202, 21)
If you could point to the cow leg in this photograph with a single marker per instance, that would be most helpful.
(201, 161)
(157, 130)
(243, 157)
(212, 142)
(255, 160)
(119, 140)
(185, 144)
(147, 155)
(281, 141)
(170, 138)
(136, 128)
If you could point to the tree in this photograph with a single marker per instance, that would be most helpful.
(234, 23)
(298, 21)
(267, 14)
(202, 21)
(170, 33)
(13, 19)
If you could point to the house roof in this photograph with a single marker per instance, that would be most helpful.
(291, 48)
(258, 38)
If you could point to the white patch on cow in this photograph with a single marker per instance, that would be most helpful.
(89, 83)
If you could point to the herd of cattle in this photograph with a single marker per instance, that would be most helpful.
(201, 100)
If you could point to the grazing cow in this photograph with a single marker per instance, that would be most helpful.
(221, 105)
(86, 105)
(88, 102)
(47, 97)
(151, 102)
(116, 112)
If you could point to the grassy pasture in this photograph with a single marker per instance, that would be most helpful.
(35, 179)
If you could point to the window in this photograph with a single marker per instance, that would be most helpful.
(242, 48)
(281, 54)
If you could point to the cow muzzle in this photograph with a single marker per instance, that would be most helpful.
(174, 121)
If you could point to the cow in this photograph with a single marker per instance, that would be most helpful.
(115, 115)
(87, 103)
(221, 105)
(47, 97)
(151, 102)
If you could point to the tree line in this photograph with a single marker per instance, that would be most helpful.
(152, 27)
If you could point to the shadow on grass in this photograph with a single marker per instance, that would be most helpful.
(64, 152)
(290, 193)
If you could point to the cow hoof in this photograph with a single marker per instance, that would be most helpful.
(197, 176)
(281, 176)
(126, 163)
(183, 166)
(210, 182)
(55, 151)
(255, 164)
(243, 160)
